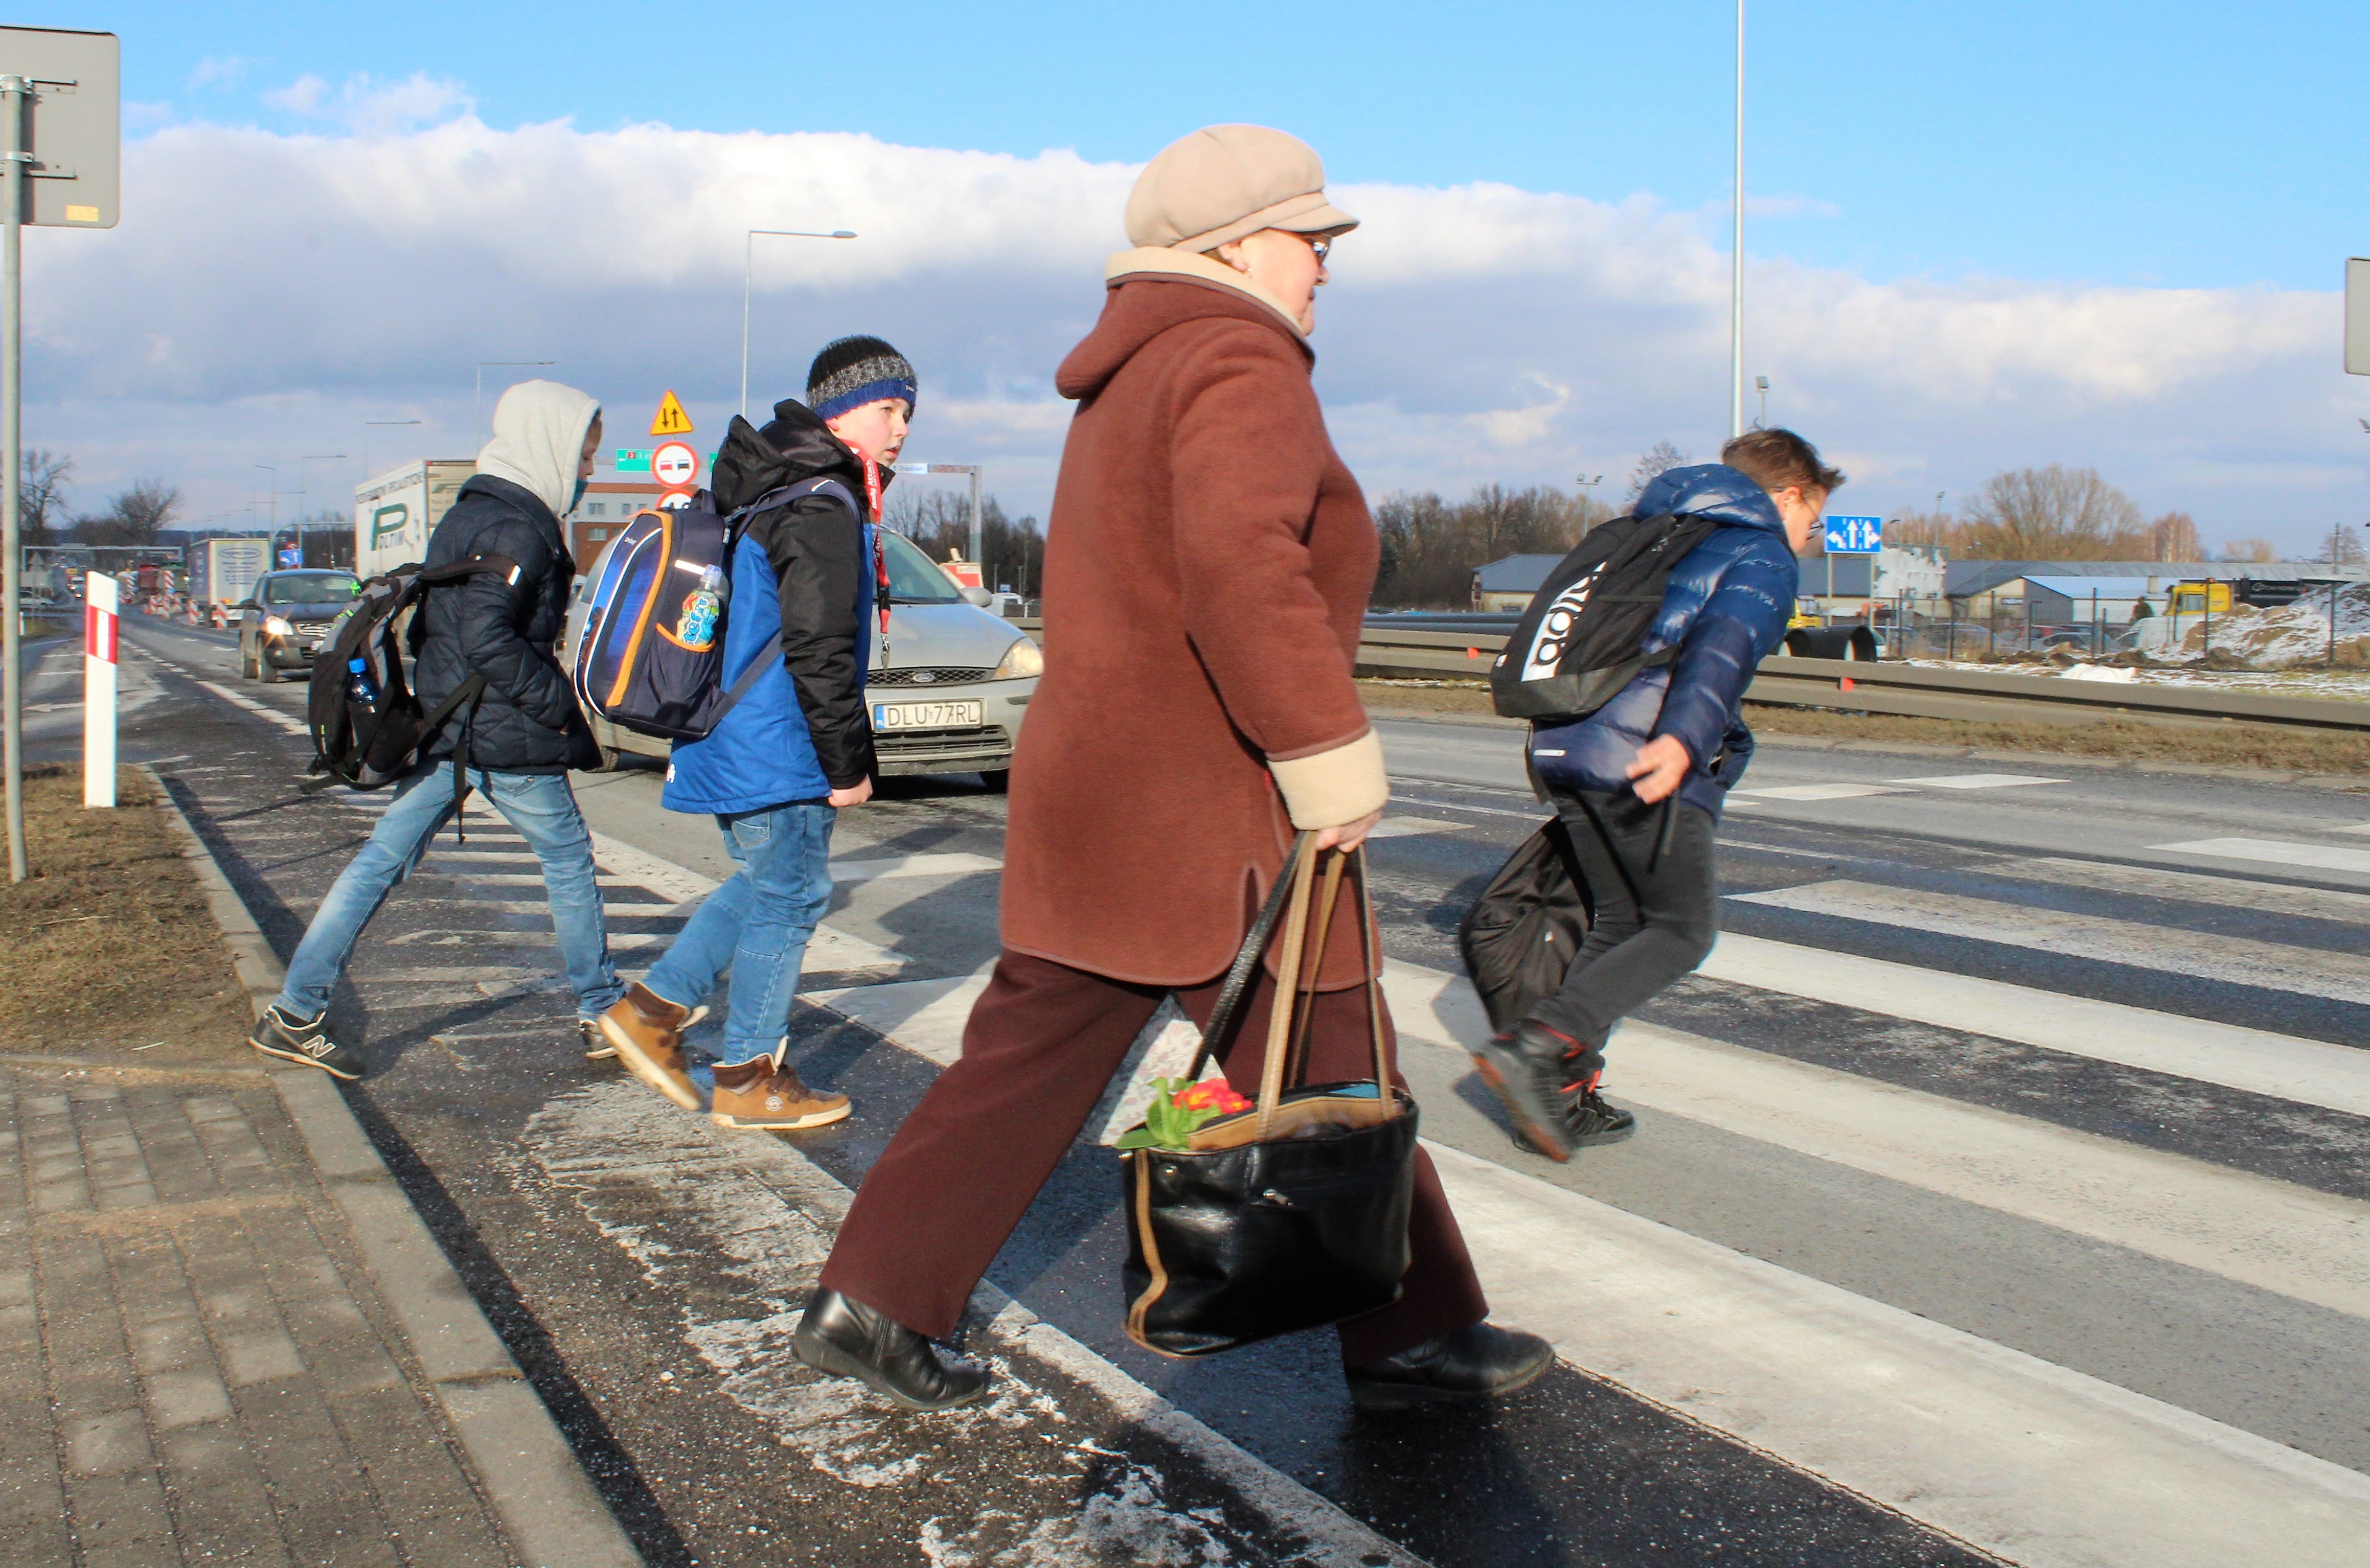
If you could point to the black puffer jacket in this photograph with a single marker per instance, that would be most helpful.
(817, 552)
(527, 721)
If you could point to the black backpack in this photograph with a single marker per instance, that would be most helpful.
(367, 724)
(1521, 934)
(1578, 644)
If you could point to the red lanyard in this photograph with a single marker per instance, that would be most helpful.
(880, 551)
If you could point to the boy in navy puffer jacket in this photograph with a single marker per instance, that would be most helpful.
(1638, 783)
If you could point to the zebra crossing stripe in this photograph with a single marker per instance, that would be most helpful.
(2232, 960)
(2307, 1072)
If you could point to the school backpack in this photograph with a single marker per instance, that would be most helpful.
(651, 654)
(1580, 642)
(366, 720)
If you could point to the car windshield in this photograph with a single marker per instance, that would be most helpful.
(309, 588)
(912, 580)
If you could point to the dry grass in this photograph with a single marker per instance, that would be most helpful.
(2233, 746)
(113, 948)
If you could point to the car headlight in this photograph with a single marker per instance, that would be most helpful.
(274, 626)
(1023, 658)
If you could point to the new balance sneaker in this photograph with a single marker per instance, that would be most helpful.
(768, 1095)
(1589, 1118)
(282, 1035)
(646, 1031)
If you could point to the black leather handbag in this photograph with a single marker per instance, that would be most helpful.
(1292, 1214)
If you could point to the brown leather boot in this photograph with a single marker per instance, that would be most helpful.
(768, 1095)
(647, 1029)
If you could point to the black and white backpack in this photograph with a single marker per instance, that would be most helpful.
(1581, 640)
(366, 720)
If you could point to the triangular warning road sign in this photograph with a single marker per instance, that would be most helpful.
(672, 419)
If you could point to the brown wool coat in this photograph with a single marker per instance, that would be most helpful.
(1208, 562)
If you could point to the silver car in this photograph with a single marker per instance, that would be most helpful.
(947, 686)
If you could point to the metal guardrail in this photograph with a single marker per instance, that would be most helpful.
(1433, 646)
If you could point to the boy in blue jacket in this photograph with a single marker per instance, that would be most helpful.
(1674, 731)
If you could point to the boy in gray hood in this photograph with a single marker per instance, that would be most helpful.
(526, 732)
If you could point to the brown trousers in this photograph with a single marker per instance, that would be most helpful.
(1042, 1044)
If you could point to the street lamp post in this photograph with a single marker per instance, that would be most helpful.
(1736, 258)
(481, 424)
(748, 265)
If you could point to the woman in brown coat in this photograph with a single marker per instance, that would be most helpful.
(1207, 566)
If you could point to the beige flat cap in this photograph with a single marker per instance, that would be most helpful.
(1225, 181)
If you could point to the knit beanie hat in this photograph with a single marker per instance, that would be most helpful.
(855, 372)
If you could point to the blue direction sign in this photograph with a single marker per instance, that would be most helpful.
(1855, 535)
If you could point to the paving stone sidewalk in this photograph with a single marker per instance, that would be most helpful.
(195, 1364)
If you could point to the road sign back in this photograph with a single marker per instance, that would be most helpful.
(672, 419)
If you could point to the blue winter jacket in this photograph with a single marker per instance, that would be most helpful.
(1725, 608)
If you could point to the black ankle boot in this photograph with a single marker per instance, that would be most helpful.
(1480, 1362)
(843, 1336)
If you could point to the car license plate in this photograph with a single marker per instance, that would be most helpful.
(926, 715)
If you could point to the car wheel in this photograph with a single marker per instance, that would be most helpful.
(997, 780)
(610, 759)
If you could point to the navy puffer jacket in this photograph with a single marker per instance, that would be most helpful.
(1725, 608)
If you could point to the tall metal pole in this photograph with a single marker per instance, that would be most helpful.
(748, 261)
(979, 560)
(1736, 258)
(13, 90)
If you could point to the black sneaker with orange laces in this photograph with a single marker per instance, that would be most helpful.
(1530, 1068)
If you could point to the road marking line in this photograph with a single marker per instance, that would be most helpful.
(1410, 827)
(2192, 886)
(2233, 960)
(2307, 1072)
(2321, 857)
(1816, 791)
(845, 873)
(2271, 1234)
(2025, 1459)
(1535, 814)
(1977, 780)
(241, 700)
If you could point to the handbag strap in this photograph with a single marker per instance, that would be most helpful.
(1246, 964)
(1373, 979)
(1278, 1018)
(1304, 986)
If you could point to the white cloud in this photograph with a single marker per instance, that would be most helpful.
(267, 293)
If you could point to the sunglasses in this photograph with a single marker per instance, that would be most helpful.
(1321, 245)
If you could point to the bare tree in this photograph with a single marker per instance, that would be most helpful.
(939, 521)
(2049, 514)
(2249, 550)
(42, 478)
(135, 516)
(1653, 464)
(1922, 530)
(2173, 537)
(1431, 546)
(2344, 549)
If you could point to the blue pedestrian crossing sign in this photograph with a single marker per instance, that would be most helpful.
(1855, 535)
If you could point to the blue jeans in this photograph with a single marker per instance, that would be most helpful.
(540, 806)
(758, 923)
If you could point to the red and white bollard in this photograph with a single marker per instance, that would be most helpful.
(98, 618)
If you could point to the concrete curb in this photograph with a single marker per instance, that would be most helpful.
(546, 1505)
(1778, 739)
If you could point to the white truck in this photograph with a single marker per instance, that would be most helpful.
(223, 571)
(395, 513)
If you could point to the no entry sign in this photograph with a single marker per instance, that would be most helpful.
(675, 464)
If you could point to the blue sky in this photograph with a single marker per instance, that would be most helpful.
(2213, 145)
(1984, 235)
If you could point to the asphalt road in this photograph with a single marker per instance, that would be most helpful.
(2000, 1187)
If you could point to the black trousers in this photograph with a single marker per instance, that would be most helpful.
(1654, 911)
